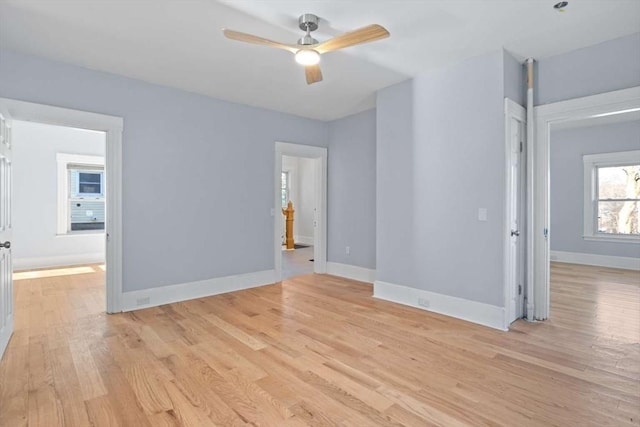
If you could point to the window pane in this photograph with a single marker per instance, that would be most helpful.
(89, 183)
(89, 177)
(618, 217)
(618, 182)
(89, 188)
(284, 198)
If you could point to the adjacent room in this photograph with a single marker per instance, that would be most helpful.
(298, 188)
(319, 213)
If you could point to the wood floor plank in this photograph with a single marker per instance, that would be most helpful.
(318, 350)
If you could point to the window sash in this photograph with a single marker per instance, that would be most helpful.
(592, 200)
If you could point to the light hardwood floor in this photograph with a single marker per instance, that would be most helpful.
(319, 350)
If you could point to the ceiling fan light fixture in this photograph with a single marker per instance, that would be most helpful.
(307, 57)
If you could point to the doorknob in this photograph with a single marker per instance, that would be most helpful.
(515, 233)
(5, 245)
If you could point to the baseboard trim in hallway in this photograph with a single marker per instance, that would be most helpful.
(351, 272)
(145, 298)
(627, 263)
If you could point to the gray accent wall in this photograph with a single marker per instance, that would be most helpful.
(197, 172)
(440, 156)
(604, 67)
(352, 190)
(567, 190)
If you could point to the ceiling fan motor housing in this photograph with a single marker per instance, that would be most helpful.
(308, 22)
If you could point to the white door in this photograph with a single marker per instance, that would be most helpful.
(516, 208)
(6, 267)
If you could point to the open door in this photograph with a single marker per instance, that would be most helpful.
(515, 171)
(6, 267)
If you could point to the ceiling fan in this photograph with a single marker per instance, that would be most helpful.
(308, 50)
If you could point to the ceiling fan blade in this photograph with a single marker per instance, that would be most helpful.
(313, 73)
(250, 38)
(363, 35)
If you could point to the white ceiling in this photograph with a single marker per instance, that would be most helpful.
(179, 43)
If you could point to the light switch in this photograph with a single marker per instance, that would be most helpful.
(482, 214)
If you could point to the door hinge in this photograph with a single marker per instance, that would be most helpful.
(521, 146)
(519, 289)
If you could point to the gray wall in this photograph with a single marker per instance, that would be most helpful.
(440, 158)
(352, 190)
(197, 172)
(604, 67)
(567, 171)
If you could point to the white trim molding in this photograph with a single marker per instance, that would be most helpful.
(57, 261)
(113, 127)
(627, 263)
(471, 311)
(548, 117)
(353, 272)
(153, 297)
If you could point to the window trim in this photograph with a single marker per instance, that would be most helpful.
(63, 161)
(591, 162)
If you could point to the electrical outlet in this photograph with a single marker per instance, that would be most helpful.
(143, 301)
(423, 302)
(347, 250)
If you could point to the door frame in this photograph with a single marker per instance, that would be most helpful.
(320, 231)
(513, 110)
(113, 127)
(546, 116)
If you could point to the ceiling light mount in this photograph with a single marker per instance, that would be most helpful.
(308, 22)
(560, 6)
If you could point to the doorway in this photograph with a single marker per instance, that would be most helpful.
(299, 213)
(59, 212)
(300, 177)
(550, 117)
(110, 177)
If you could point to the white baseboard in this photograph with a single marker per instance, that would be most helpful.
(304, 240)
(627, 263)
(472, 311)
(153, 297)
(57, 261)
(351, 272)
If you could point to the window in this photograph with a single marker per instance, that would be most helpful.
(81, 193)
(284, 188)
(612, 196)
(89, 183)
